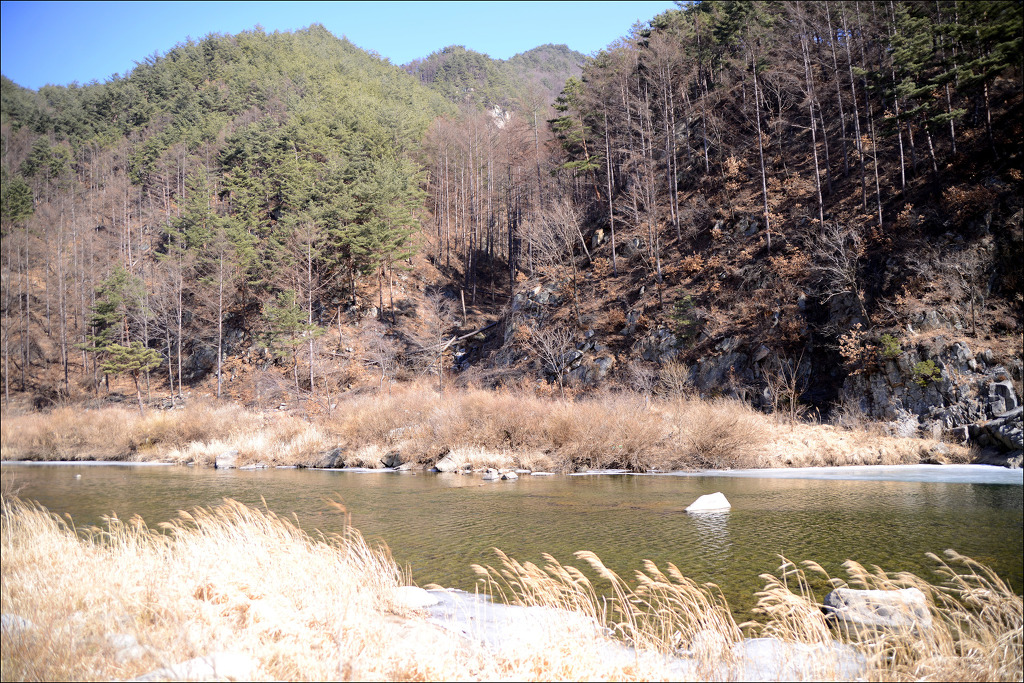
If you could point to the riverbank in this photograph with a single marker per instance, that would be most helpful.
(474, 429)
(254, 597)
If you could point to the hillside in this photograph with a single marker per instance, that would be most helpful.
(814, 208)
(465, 75)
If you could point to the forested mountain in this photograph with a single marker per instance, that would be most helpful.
(816, 181)
(766, 200)
(463, 75)
(226, 170)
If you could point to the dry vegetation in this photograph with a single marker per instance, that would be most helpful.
(479, 428)
(287, 606)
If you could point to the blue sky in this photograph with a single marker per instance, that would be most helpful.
(62, 42)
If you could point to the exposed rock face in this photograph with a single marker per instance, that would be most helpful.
(964, 396)
(905, 609)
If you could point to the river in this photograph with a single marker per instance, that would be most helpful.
(439, 525)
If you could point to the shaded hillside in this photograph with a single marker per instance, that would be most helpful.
(774, 201)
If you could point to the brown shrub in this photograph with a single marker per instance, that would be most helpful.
(719, 434)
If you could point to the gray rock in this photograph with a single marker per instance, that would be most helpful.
(333, 458)
(392, 459)
(1004, 390)
(446, 464)
(899, 610)
(226, 460)
(510, 476)
(491, 474)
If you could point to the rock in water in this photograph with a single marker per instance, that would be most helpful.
(226, 460)
(510, 476)
(491, 474)
(713, 502)
(904, 610)
(446, 464)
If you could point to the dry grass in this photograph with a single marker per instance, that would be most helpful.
(719, 434)
(494, 428)
(977, 631)
(239, 580)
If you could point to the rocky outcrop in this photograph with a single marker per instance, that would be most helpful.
(943, 389)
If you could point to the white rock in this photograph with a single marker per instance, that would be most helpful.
(12, 624)
(713, 502)
(232, 666)
(510, 476)
(901, 610)
(491, 474)
(413, 597)
(771, 659)
(446, 464)
(126, 647)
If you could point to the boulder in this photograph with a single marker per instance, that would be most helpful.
(226, 460)
(903, 610)
(491, 474)
(712, 502)
(392, 459)
(446, 464)
(510, 476)
(330, 459)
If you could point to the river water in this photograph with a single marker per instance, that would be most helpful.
(439, 525)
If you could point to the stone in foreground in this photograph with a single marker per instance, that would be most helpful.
(230, 666)
(712, 502)
(414, 597)
(903, 610)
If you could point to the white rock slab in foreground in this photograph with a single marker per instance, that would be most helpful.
(904, 609)
(414, 597)
(712, 502)
(232, 666)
